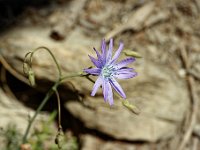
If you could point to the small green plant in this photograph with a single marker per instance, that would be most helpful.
(40, 139)
(11, 137)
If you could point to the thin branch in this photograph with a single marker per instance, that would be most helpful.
(12, 71)
(59, 109)
(71, 75)
(193, 97)
(54, 59)
(5, 84)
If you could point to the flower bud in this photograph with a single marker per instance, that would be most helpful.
(31, 77)
(26, 68)
(131, 53)
(131, 107)
(59, 140)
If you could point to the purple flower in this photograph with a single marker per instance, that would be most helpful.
(107, 68)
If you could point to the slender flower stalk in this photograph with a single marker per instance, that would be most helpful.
(107, 68)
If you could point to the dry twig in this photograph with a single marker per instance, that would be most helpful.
(195, 143)
(12, 71)
(194, 74)
(5, 84)
(194, 100)
(135, 22)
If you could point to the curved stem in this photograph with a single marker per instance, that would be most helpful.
(79, 74)
(71, 75)
(54, 59)
(25, 63)
(50, 92)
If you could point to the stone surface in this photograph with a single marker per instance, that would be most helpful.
(94, 143)
(13, 112)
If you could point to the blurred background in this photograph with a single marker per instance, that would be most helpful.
(167, 89)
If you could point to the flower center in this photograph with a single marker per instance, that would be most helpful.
(107, 71)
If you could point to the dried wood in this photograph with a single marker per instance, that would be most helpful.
(194, 100)
(135, 22)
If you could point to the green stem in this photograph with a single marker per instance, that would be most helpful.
(59, 109)
(79, 74)
(44, 101)
(54, 59)
(48, 95)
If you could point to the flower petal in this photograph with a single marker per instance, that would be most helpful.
(117, 53)
(124, 62)
(109, 53)
(96, 86)
(110, 95)
(95, 62)
(125, 70)
(93, 71)
(105, 90)
(103, 49)
(98, 55)
(126, 75)
(103, 46)
(117, 87)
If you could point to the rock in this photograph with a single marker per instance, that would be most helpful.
(90, 142)
(14, 114)
(62, 22)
